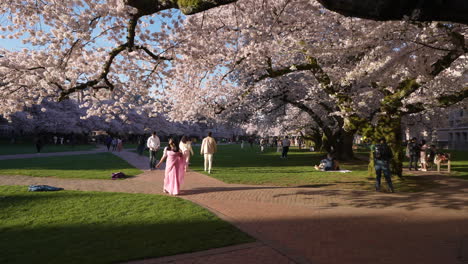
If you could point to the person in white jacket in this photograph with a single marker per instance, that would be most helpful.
(208, 148)
(153, 144)
(185, 147)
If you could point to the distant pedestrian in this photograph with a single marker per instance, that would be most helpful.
(208, 148)
(39, 145)
(423, 156)
(262, 144)
(61, 140)
(251, 141)
(55, 140)
(285, 143)
(242, 144)
(431, 153)
(153, 143)
(141, 145)
(414, 153)
(278, 145)
(382, 157)
(114, 144)
(108, 142)
(185, 147)
(119, 144)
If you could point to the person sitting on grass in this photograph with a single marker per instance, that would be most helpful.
(328, 164)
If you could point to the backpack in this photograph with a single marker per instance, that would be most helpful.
(118, 175)
(380, 152)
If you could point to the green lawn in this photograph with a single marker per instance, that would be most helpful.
(233, 165)
(29, 148)
(98, 227)
(87, 166)
(459, 164)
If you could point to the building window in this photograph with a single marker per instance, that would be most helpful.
(465, 136)
(461, 112)
(450, 137)
(451, 123)
(457, 136)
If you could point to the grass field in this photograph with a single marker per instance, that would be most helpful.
(98, 227)
(459, 164)
(248, 166)
(29, 148)
(88, 166)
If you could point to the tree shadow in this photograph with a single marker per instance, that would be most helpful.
(202, 190)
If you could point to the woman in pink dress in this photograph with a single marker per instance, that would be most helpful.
(175, 168)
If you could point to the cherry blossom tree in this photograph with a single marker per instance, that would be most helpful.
(374, 73)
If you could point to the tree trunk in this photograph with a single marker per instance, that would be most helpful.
(344, 145)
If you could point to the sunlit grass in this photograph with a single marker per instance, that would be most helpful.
(248, 166)
(96, 227)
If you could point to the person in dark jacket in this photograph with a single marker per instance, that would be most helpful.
(382, 157)
(414, 153)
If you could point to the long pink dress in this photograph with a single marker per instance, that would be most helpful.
(175, 172)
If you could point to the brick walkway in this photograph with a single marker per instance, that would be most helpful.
(311, 225)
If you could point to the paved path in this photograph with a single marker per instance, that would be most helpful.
(311, 225)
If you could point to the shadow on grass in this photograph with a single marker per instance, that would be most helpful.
(91, 227)
(100, 243)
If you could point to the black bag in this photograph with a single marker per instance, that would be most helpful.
(414, 148)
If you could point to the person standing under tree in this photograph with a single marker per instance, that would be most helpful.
(285, 143)
(153, 143)
(423, 157)
(414, 153)
(208, 148)
(262, 144)
(382, 156)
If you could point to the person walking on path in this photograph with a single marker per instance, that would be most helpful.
(285, 143)
(141, 145)
(114, 144)
(175, 168)
(208, 148)
(414, 153)
(119, 144)
(39, 145)
(185, 146)
(382, 156)
(153, 143)
(108, 142)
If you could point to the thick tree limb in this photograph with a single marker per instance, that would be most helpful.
(188, 7)
(421, 10)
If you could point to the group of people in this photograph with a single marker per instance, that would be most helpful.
(422, 153)
(177, 158)
(328, 164)
(281, 144)
(116, 144)
(415, 151)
